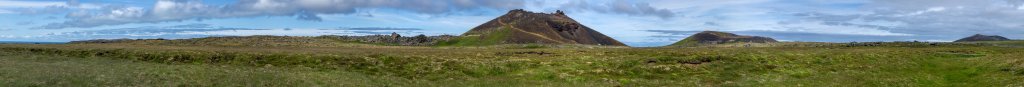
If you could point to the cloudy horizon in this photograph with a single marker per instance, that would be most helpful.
(634, 22)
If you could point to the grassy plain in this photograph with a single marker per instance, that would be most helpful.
(529, 65)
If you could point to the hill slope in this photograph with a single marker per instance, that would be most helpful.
(715, 37)
(979, 37)
(523, 27)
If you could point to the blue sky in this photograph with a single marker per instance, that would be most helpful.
(635, 22)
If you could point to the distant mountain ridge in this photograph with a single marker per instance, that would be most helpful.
(524, 27)
(716, 37)
(979, 37)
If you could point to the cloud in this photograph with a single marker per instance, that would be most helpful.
(45, 10)
(832, 27)
(1020, 7)
(24, 4)
(936, 17)
(199, 30)
(374, 28)
(372, 32)
(73, 3)
(2, 11)
(676, 35)
(850, 20)
(42, 7)
(860, 20)
(620, 7)
(154, 31)
(819, 37)
(932, 9)
(195, 25)
(25, 23)
(170, 32)
(179, 10)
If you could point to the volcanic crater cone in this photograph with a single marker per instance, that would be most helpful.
(524, 27)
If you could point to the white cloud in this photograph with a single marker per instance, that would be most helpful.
(130, 12)
(617, 7)
(1020, 7)
(179, 10)
(2, 11)
(44, 4)
(768, 15)
(917, 19)
(932, 19)
(43, 7)
(936, 9)
(838, 29)
(28, 4)
(932, 9)
(928, 19)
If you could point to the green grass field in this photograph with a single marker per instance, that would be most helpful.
(531, 65)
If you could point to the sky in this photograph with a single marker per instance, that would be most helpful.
(634, 22)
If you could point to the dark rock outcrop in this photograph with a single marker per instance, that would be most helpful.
(979, 37)
(715, 37)
(524, 27)
(395, 35)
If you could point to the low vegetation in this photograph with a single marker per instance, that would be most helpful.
(890, 64)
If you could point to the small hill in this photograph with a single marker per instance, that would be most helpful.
(979, 37)
(715, 37)
(524, 27)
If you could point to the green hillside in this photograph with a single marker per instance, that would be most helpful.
(492, 37)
